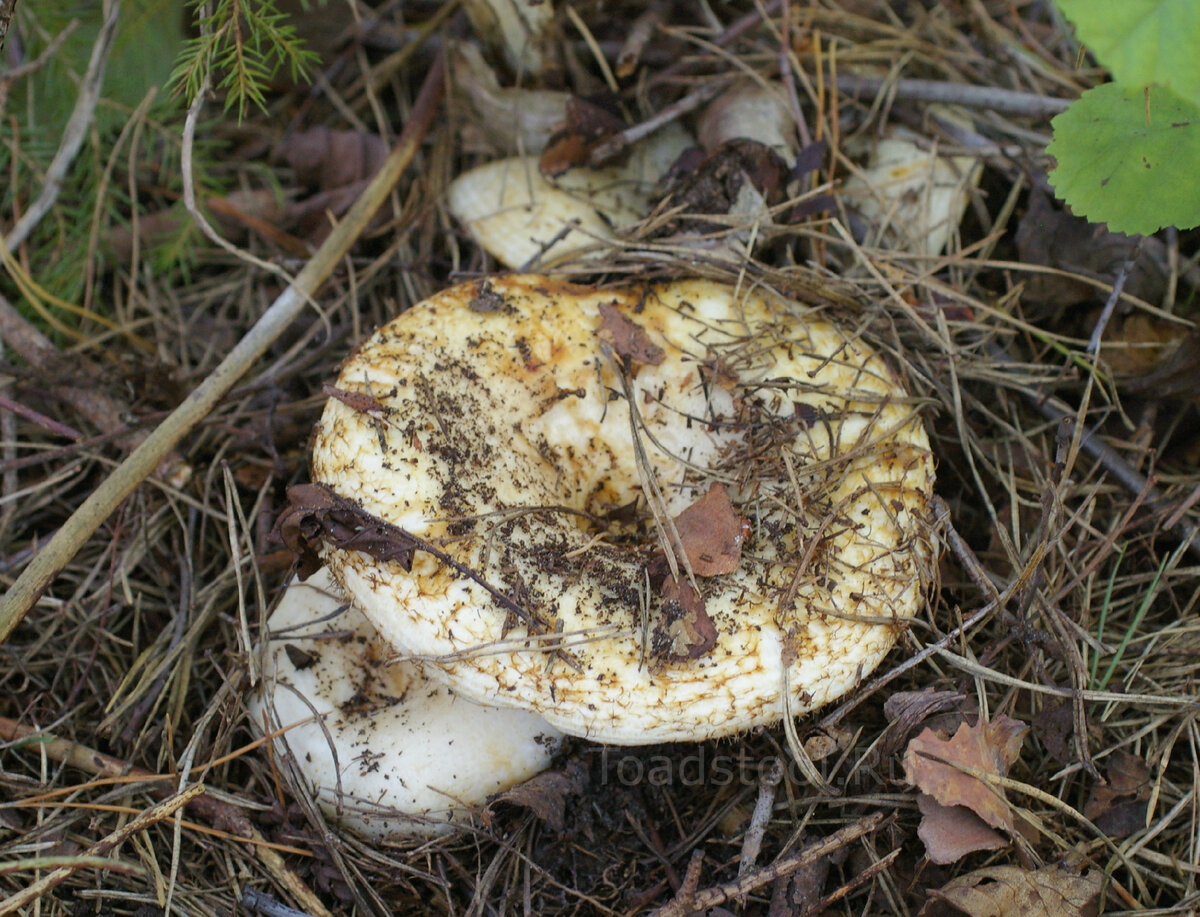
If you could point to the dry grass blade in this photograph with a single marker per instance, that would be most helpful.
(55, 877)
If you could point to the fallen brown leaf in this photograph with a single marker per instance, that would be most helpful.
(545, 795)
(906, 710)
(1118, 808)
(951, 832)
(1055, 238)
(1008, 891)
(711, 533)
(236, 213)
(930, 765)
(684, 631)
(1054, 726)
(629, 340)
(587, 126)
(317, 515)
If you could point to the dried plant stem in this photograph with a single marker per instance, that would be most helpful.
(711, 897)
(56, 877)
(856, 881)
(619, 143)
(991, 97)
(215, 811)
(141, 462)
(760, 818)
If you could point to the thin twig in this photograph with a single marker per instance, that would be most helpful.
(30, 67)
(711, 897)
(1110, 304)
(149, 817)
(254, 900)
(618, 143)
(34, 579)
(1005, 100)
(189, 192)
(74, 132)
(760, 818)
(821, 906)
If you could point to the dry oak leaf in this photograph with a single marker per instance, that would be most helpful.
(1008, 891)
(932, 764)
(949, 833)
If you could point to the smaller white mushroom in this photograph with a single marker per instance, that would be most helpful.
(518, 215)
(385, 752)
(913, 197)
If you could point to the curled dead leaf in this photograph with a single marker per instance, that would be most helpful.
(1008, 891)
(317, 515)
(545, 795)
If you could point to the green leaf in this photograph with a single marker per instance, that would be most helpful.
(1143, 41)
(1117, 167)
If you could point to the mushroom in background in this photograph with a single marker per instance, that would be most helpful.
(912, 197)
(521, 217)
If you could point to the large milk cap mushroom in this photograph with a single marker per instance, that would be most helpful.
(383, 750)
(650, 514)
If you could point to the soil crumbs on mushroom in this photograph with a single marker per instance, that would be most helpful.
(1065, 601)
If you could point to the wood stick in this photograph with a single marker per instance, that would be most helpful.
(719, 894)
(34, 579)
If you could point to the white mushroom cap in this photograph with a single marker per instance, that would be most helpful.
(514, 212)
(392, 754)
(503, 437)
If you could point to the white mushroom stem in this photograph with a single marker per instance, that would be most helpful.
(385, 752)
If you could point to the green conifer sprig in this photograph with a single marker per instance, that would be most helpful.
(242, 45)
